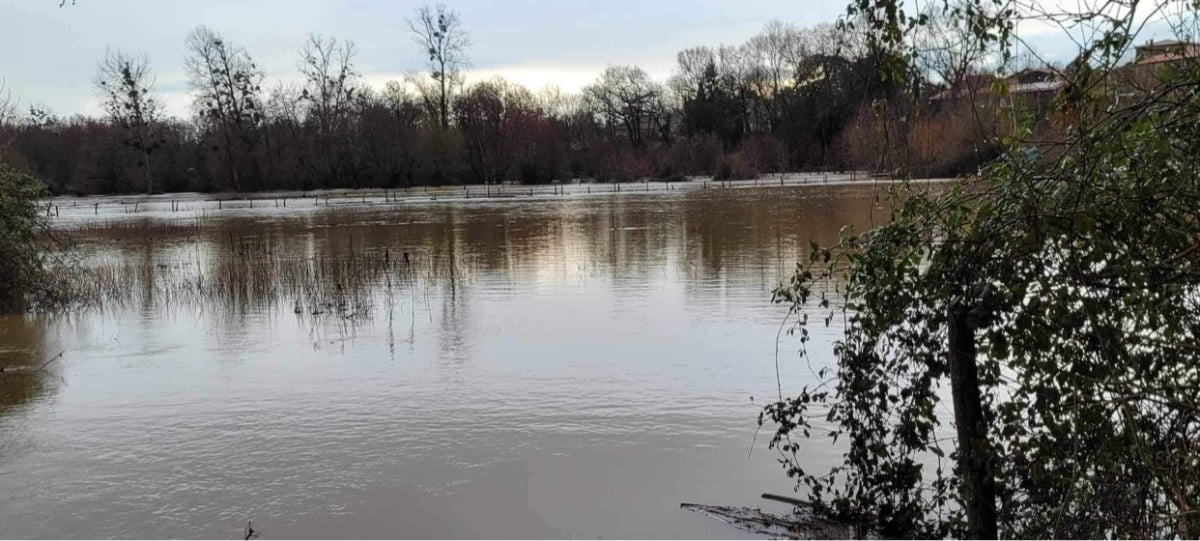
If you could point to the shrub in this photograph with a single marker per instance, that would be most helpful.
(23, 276)
(736, 166)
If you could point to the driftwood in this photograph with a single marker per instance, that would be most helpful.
(801, 523)
(43, 366)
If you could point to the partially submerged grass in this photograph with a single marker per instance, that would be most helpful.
(146, 229)
(243, 274)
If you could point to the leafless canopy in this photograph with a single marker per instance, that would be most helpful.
(224, 79)
(226, 84)
(441, 36)
(625, 95)
(8, 115)
(330, 79)
(123, 83)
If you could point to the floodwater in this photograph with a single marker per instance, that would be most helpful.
(545, 366)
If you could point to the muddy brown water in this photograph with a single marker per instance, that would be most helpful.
(571, 366)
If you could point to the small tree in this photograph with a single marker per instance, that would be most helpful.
(440, 35)
(23, 278)
(1056, 295)
(330, 80)
(625, 96)
(123, 83)
(8, 117)
(227, 87)
(330, 89)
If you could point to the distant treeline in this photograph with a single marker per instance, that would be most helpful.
(788, 99)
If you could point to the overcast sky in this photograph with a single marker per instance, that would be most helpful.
(48, 54)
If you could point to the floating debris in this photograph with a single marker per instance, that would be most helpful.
(799, 524)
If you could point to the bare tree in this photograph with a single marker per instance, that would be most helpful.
(692, 63)
(947, 48)
(330, 80)
(284, 104)
(331, 87)
(428, 93)
(8, 116)
(227, 87)
(626, 96)
(440, 34)
(770, 51)
(123, 83)
(556, 104)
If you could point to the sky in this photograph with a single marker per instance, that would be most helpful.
(48, 54)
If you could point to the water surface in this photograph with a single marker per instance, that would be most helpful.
(558, 366)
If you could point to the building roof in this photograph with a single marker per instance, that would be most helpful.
(1033, 88)
(1164, 43)
(981, 84)
(1154, 52)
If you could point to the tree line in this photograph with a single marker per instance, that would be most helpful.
(788, 99)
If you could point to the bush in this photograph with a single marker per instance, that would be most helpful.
(23, 276)
(735, 166)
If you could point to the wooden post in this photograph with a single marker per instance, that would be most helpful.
(974, 453)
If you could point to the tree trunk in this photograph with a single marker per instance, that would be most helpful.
(974, 454)
(233, 172)
(149, 174)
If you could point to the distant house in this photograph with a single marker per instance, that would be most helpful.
(1144, 73)
(970, 87)
(1031, 90)
(1156, 52)
(1026, 90)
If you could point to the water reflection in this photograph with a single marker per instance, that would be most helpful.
(554, 367)
(26, 371)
